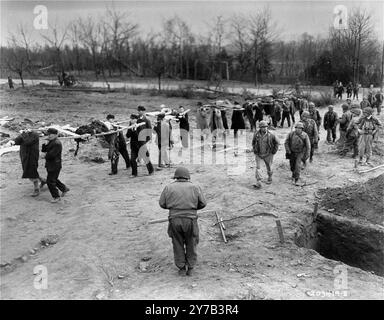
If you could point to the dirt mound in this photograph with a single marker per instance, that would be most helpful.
(361, 200)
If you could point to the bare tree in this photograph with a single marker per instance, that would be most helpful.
(120, 32)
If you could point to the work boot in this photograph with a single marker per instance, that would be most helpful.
(112, 173)
(35, 193)
(269, 181)
(182, 271)
(64, 192)
(190, 271)
(257, 185)
(55, 200)
(43, 182)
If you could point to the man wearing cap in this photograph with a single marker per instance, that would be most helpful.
(182, 118)
(379, 101)
(330, 124)
(28, 140)
(310, 128)
(118, 145)
(265, 145)
(367, 125)
(144, 136)
(183, 198)
(286, 113)
(314, 114)
(352, 133)
(52, 157)
(164, 139)
(297, 148)
(344, 121)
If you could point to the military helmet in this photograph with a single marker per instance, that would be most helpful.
(182, 172)
(299, 125)
(368, 110)
(305, 114)
(263, 124)
(356, 111)
(311, 104)
(345, 106)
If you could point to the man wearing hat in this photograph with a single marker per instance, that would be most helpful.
(310, 128)
(52, 157)
(352, 133)
(163, 139)
(297, 148)
(183, 198)
(344, 121)
(118, 145)
(314, 114)
(367, 125)
(144, 135)
(330, 124)
(265, 145)
(28, 140)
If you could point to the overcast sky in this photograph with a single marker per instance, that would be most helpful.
(292, 17)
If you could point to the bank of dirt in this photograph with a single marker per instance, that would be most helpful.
(104, 250)
(360, 200)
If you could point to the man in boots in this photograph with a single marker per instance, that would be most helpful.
(297, 150)
(352, 134)
(52, 157)
(265, 145)
(144, 135)
(344, 121)
(28, 140)
(330, 124)
(310, 128)
(183, 199)
(367, 125)
(118, 145)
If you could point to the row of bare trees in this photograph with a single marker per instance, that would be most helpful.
(241, 47)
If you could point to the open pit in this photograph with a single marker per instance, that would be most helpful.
(348, 226)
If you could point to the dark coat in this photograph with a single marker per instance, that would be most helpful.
(29, 153)
(330, 120)
(146, 135)
(237, 120)
(133, 134)
(53, 151)
(224, 118)
(184, 122)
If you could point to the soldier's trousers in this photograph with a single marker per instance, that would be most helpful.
(365, 145)
(268, 163)
(331, 134)
(185, 237)
(295, 161)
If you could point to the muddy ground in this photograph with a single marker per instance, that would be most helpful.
(101, 250)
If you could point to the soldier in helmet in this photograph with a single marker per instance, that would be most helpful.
(310, 128)
(330, 124)
(344, 121)
(183, 199)
(367, 126)
(297, 150)
(265, 144)
(352, 133)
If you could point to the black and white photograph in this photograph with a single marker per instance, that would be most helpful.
(217, 152)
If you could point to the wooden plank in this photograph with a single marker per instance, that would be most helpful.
(280, 231)
(221, 228)
(372, 169)
(9, 149)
